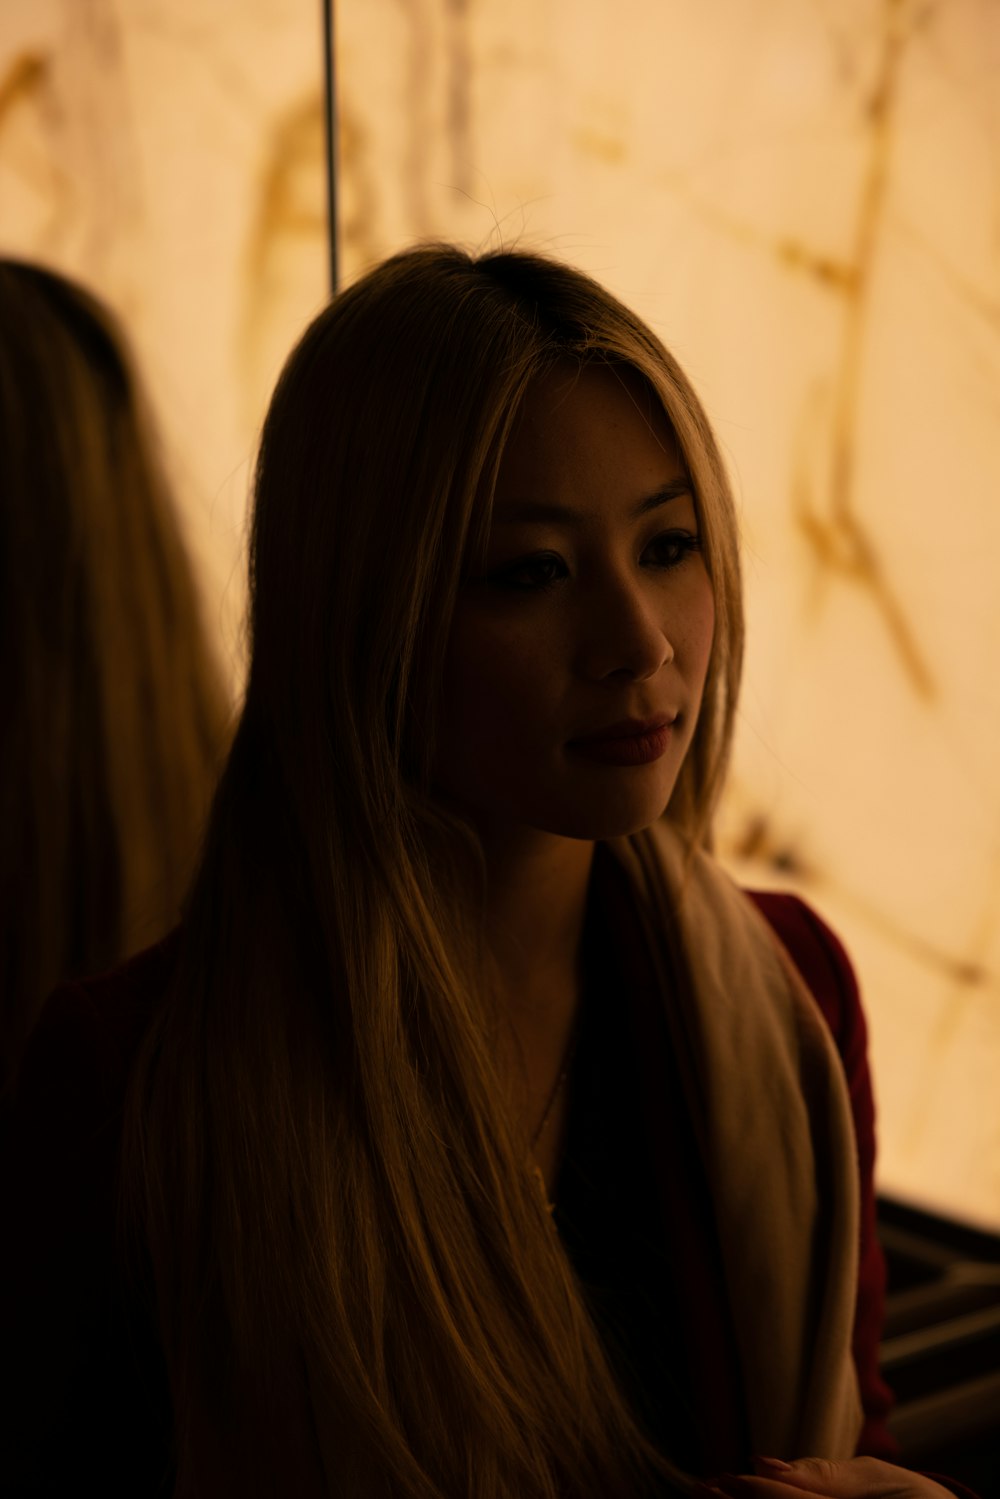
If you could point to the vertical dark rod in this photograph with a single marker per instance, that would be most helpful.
(331, 141)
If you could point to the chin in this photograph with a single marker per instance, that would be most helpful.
(598, 824)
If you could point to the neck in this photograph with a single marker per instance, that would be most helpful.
(535, 917)
(537, 889)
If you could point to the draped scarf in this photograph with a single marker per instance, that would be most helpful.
(766, 1097)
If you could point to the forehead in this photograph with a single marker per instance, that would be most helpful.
(587, 425)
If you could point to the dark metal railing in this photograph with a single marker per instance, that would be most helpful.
(941, 1342)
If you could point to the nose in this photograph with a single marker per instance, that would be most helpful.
(623, 632)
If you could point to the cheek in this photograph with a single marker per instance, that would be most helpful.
(490, 685)
(706, 626)
(696, 628)
(491, 716)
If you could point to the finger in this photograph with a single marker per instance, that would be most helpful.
(819, 1475)
(820, 1478)
(732, 1487)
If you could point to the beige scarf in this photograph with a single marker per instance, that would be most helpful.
(768, 1099)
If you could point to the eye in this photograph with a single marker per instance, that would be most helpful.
(675, 547)
(532, 569)
(536, 574)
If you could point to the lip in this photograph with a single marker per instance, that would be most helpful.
(627, 749)
(628, 728)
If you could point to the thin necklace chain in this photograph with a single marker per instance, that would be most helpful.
(557, 1089)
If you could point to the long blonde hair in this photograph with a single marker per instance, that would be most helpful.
(349, 1253)
(115, 717)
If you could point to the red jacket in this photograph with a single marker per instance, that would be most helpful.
(83, 1388)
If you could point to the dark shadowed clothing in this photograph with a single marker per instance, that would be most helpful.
(84, 1395)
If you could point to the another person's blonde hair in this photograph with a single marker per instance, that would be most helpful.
(115, 713)
(348, 1247)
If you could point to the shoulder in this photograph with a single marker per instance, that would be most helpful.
(81, 1375)
(61, 1131)
(819, 955)
(75, 1070)
(821, 959)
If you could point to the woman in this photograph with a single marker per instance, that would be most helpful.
(116, 714)
(480, 1138)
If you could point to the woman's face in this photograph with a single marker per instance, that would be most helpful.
(578, 621)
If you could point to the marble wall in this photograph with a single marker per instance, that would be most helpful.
(170, 154)
(804, 201)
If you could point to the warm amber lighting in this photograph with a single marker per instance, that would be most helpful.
(802, 200)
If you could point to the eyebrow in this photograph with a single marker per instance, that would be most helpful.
(528, 512)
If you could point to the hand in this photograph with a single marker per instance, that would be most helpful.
(816, 1478)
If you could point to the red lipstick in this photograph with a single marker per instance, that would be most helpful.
(632, 741)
